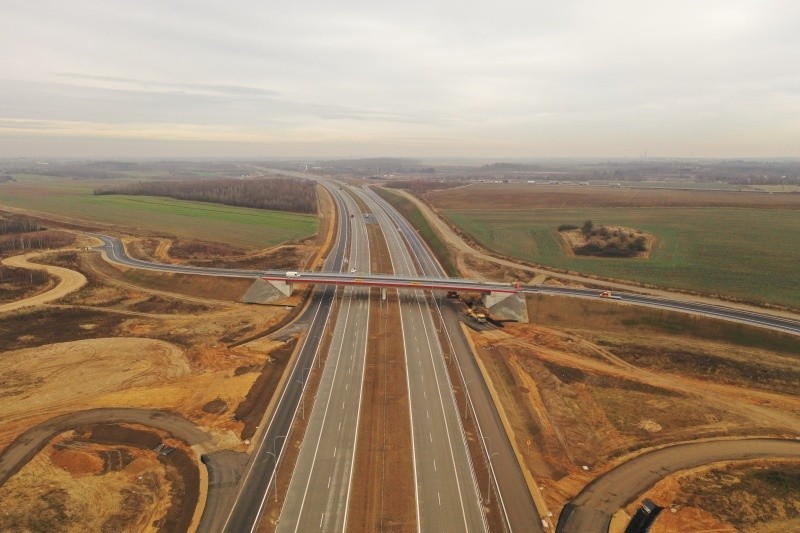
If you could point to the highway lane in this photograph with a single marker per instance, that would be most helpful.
(510, 487)
(319, 492)
(446, 489)
(260, 472)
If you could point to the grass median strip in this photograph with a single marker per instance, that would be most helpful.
(420, 223)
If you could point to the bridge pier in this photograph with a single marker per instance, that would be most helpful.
(508, 306)
(263, 292)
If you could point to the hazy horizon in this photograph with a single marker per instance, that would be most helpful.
(517, 80)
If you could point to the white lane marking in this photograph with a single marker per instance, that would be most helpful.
(329, 479)
(321, 520)
(438, 495)
(434, 466)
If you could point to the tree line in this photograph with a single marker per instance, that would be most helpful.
(279, 194)
(19, 225)
(21, 242)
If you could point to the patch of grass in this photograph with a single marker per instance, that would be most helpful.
(598, 315)
(246, 227)
(744, 495)
(420, 223)
(745, 253)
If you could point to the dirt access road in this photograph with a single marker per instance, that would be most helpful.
(68, 281)
(24, 447)
(592, 509)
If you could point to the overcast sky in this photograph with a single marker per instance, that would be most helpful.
(436, 78)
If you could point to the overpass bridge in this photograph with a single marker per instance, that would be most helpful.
(389, 282)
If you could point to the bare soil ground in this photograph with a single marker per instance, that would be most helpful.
(32, 380)
(131, 339)
(104, 477)
(585, 397)
(383, 493)
(759, 496)
(525, 196)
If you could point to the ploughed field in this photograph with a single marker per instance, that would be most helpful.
(740, 245)
(74, 199)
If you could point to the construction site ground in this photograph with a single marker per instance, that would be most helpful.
(585, 389)
(102, 337)
(719, 497)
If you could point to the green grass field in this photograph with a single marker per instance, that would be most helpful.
(746, 253)
(250, 228)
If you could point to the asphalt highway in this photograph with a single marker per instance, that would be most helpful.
(319, 492)
(260, 473)
(510, 488)
(446, 489)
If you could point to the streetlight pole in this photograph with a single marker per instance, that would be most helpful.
(275, 458)
(489, 456)
(302, 382)
(466, 399)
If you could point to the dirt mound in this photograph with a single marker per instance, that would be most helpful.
(36, 377)
(216, 406)
(78, 462)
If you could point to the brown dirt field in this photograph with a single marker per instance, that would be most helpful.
(35, 377)
(740, 496)
(525, 196)
(383, 496)
(103, 477)
(573, 402)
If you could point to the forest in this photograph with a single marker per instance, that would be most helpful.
(279, 194)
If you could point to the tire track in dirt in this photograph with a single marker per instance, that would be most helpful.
(69, 281)
(719, 394)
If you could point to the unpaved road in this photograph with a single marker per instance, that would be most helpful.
(592, 509)
(27, 445)
(68, 281)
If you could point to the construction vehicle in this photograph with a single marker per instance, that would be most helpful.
(480, 318)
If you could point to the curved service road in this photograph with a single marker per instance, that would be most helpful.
(28, 444)
(592, 509)
(68, 281)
